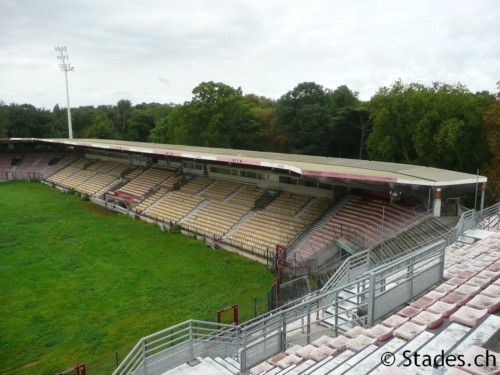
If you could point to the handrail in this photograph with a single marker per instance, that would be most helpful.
(235, 340)
(182, 332)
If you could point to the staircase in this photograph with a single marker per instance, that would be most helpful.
(243, 219)
(308, 244)
(411, 238)
(207, 366)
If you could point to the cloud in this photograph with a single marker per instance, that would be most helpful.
(264, 47)
(163, 80)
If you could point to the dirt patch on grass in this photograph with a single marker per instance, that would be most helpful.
(12, 371)
(97, 209)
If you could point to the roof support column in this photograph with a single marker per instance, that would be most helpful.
(483, 190)
(437, 202)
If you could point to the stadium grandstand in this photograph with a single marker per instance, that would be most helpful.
(399, 263)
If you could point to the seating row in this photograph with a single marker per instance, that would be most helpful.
(145, 182)
(456, 318)
(174, 207)
(196, 184)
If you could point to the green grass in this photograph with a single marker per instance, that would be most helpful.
(78, 283)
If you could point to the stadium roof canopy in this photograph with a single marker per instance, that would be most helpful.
(351, 172)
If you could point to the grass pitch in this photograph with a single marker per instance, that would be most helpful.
(79, 283)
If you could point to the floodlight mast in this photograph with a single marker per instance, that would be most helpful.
(65, 66)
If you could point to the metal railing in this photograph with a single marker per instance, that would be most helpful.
(352, 266)
(256, 340)
(176, 345)
(374, 290)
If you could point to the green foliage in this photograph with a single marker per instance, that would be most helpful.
(491, 130)
(315, 119)
(159, 133)
(217, 116)
(80, 282)
(101, 127)
(139, 126)
(437, 126)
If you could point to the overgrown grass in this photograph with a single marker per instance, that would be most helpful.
(78, 283)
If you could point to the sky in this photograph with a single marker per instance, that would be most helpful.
(160, 50)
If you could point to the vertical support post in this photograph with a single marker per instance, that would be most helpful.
(475, 196)
(483, 190)
(382, 233)
(429, 202)
(371, 300)
(441, 262)
(283, 332)
(437, 203)
(309, 323)
(144, 357)
(191, 342)
(410, 279)
(243, 353)
(336, 313)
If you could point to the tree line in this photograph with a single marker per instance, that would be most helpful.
(441, 125)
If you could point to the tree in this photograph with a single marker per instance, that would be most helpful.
(121, 115)
(159, 133)
(217, 116)
(318, 121)
(491, 129)
(82, 119)
(101, 128)
(4, 122)
(139, 125)
(438, 126)
(25, 121)
(303, 116)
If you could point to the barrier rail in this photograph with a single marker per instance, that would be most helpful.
(377, 290)
(256, 340)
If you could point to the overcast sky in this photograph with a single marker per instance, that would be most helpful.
(159, 50)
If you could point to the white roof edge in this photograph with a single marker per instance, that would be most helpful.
(481, 179)
(269, 163)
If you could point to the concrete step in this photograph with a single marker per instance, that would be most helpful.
(327, 366)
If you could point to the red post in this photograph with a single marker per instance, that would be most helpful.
(80, 370)
(235, 314)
